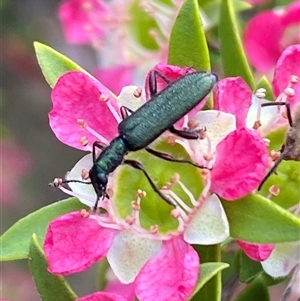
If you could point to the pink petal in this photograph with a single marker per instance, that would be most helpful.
(257, 252)
(262, 40)
(233, 95)
(81, 20)
(125, 290)
(170, 72)
(74, 243)
(287, 65)
(240, 166)
(107, 76)
(291, 16)
(171, 275)
(102, 296)
(77, 96)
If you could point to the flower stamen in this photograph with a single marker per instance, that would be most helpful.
(99, 137)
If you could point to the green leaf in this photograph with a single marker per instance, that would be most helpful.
(249, 269)
(50, 287)
(188, 45)
(257, 219)
(256, 290)
(212, 288)
(141, 23)
(53, 63)
(276, 138)
(232, 258)
(270, 281)
(287, 179)
(208, 271)
(264, 83)
(233, 56)
(15, 241)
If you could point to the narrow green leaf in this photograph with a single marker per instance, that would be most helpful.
(255, 218)
(50, 287)
(256, 290)
(188, 45)
(264, 83)
(53, 63)
(208, 271)
(232, 52)
(14, 243)
(211, 290)
(249, 269)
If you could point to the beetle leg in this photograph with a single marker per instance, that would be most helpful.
(170, 158)
(153, 82)
(101, 146)
(139, 166)
(183, 134)
(125, 112)
(281, 103)
(273, 169)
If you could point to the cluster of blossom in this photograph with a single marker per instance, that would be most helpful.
(104, 24)
(231, 144)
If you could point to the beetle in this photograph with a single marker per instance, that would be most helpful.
(291, 148)
(141, 127)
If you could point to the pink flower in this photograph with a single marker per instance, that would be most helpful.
(108, 76)
(135, 253)
(81, 20)
(102, 296)
(248, 110)
(286, 88)
(15, 163)
(125, 290)
(68, 252)
(269, 33)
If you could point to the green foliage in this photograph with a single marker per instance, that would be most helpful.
(15, 241)
(257, 219)
(211, 290)
(140, 25)
(50, 287)
(256, 290)
(249, 269)
(53, 63)
(188, 37)
(264, 83)
(207, 272)
(287, 179)
(233, 57)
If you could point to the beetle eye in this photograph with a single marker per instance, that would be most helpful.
(102, 179)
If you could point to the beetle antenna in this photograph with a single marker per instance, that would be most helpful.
(57, 182)
(281, 157)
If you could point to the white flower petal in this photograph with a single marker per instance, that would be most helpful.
(283, 259)
(209, 225)
(218, 125)
(127, 99)
(129, 253)
(83, 189)
(269, 116)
